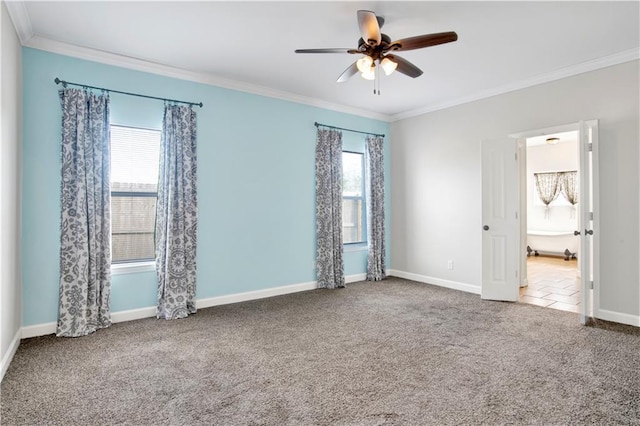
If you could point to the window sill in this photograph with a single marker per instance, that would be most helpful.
(132, 268)
(355, 247)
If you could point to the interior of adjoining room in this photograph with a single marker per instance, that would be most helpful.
(552, 217)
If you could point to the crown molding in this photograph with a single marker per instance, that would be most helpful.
(41, 43)
(20, 18)
(49, 45)
(593, 65)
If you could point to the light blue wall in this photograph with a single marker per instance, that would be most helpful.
(256, 184)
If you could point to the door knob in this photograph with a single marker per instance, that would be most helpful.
(576, 232)
(588, 232)
(486, 227)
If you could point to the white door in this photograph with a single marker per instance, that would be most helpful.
(500, 223)
(587, 201)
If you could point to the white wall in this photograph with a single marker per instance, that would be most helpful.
(10, 172)
(435, 178)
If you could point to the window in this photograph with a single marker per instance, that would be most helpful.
(135, 155)
(353, 203)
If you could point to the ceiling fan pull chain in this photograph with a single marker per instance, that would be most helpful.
(375, 78)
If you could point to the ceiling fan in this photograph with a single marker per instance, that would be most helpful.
(377, 47)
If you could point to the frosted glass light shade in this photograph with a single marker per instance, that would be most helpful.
(388, 66)
(364, 63)
(369, 74)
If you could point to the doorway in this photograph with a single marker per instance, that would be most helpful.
(551, 180)
(505, 234)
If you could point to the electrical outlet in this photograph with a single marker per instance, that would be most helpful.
(450, 264)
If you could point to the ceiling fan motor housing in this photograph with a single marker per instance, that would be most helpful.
(374, 50)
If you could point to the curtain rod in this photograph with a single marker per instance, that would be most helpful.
(348, 130)
(66, 83)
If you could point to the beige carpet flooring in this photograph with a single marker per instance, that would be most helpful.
(395, 352)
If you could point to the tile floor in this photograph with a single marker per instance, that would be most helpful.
(552, 283)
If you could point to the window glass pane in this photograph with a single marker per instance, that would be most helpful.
(352, 174)
(352, 214)
(133, 221)
(135, 155)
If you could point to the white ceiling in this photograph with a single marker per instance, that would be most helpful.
(502, 46)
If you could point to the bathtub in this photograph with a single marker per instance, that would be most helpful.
(553, 243)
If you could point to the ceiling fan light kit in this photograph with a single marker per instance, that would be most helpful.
(369, 74)
(376, 48)
(364, 64)
(388, 66)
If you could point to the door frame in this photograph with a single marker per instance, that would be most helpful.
(520, 139)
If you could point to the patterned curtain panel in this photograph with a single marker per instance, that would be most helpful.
(569, 186)
(177, 214)
(375, 208)
(85, 251)
(548, 186)
(329, 260)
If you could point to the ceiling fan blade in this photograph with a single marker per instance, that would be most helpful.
(330, 50)
(405, 67)
(348, 73)
(369, 28)
(426, 40)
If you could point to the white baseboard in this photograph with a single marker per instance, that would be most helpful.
(435, 281)
(133, 314)
(38, 330)
(6, 359)
(121, 316)
(254, 295)
(618, 317)
(355, 278)
(269, 292)
(150, 311)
